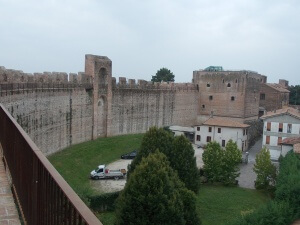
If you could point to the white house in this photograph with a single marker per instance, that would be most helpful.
(222, 130)
(279, 125)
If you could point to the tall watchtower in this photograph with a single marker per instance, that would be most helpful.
(100, 70)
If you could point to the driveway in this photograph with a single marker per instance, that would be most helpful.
(248, 176)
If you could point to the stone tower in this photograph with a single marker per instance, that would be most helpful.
(99, 68)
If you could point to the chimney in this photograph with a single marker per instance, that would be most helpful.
(283, 83)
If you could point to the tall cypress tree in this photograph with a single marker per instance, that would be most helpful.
(182, 159)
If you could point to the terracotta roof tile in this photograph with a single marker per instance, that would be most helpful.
(224, 123)
(291, 141)
(278, 87)
(288, 110)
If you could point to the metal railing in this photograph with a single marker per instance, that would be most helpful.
(43, 196)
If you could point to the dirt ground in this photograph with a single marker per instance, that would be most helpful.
(112, 185)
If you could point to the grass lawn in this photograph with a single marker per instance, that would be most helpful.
(76, 162)
(218, 204)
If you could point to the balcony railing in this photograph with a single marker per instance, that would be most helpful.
(43, 196)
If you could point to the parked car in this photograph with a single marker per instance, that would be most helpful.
(130, 155)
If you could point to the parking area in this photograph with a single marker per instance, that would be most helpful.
(246, 178)
(112, 185)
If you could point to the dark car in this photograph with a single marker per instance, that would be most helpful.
(129, 155)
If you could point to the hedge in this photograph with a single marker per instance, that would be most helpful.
(104, 202)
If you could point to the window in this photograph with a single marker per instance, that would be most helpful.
(269, 126)
(209, 129)
(236, 80)
(262, 96)
(267, 140)
(219, 130)
(232, 98)
(208, 139)
(279, 141)
(289, 128)
(210, 97)
(229, 85)
(280, 127)
(198, 128)
(244, 132)
(207, 85)
(203, 106)
(198, 138)
(223, 81)
(223, 143)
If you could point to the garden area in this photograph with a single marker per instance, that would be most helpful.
(215, 203)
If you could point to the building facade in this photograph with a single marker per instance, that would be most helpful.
(229, 94)
(279, 125)
(221, 131)
(274, 96)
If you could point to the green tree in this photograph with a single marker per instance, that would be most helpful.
(213, 160)
(163, 74)
(179, 152)
(155, 138)
(294, 95)
(182, 159)
(231, 159)
(155, 195)
(264, 169)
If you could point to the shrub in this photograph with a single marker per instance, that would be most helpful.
(104, 202)
(155, 195)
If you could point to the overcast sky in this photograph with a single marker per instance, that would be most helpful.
(141, 36)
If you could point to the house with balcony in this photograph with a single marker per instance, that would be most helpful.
(222, 130)
(279, 125)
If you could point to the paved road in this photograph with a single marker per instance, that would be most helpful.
(247, 176)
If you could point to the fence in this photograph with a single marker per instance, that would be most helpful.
(43, 196)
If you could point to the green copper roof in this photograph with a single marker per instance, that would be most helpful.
(214, 68)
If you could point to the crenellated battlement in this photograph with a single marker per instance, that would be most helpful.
(10, 76)
(18, 76)
(125, 83)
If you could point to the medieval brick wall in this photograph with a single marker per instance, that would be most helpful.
(272, 99)
(231, 94)
(58, 110)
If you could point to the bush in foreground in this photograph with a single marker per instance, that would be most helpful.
(155, 195)
(178, 151)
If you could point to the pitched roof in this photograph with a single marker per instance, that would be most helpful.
(278, 87)
(224, 123)
(291, 141)
(285, 111)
